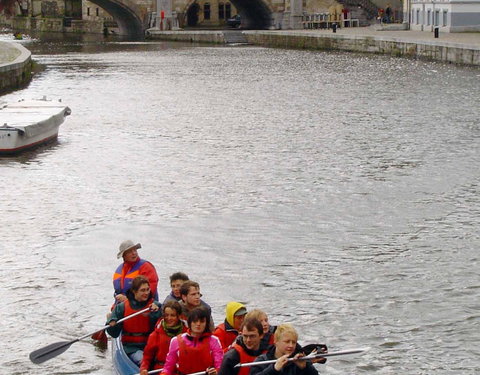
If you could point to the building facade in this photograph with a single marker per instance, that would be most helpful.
(447, 15)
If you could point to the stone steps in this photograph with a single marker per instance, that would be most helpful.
(235, 37)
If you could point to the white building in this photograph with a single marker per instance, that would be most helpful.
(447, 15)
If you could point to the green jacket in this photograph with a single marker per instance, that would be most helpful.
(119, 313)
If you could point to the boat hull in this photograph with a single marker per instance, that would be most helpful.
(12, 142)
(122, 365)
(28, 124)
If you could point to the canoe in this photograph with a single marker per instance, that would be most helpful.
(28, 124)
(122, 365)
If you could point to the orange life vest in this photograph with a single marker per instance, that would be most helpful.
(226, 337)
(194, 358)
(244, 358)
(136, 329)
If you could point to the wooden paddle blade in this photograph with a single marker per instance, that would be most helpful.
(48, 352)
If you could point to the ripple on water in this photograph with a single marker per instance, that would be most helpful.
(306, 183)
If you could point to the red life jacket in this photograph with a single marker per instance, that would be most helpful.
(136, 329)
(122, 282)
(244, 358)
(163, 344)
(226, 337)
(194, 358)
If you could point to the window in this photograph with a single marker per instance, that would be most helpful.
(228, 10)
(221, 11)
(206, 11)
(436, 20)
(418, 16)
(445, 18)
(88, 11)
(429, 14)
(97, 11)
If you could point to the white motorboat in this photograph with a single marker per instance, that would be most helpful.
(30, 123)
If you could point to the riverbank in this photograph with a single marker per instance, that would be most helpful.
(457, 48)
(15, 66)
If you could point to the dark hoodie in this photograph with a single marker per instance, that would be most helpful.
(232, 358)
(290, 368)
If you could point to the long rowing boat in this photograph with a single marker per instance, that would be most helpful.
(122, 365)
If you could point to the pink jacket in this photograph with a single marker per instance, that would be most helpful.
(172, 356)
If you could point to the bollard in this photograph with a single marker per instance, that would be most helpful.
(435, 32)
(334, 27)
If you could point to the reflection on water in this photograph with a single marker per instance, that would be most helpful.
(336, 191)
(30, 156)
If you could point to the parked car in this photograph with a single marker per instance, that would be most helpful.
(235, 21)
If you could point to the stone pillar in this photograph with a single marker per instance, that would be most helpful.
(296, 12)
(407, 13)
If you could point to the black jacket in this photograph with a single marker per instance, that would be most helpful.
(290, 369)
(232, 358)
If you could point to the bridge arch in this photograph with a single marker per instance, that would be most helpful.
(256, 14)
(130, 17)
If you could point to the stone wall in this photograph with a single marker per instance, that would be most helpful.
(210, 36)
(18, 71)
(447, 52)
(440, 51)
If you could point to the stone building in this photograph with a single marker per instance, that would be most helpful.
(79, 16)
(447, 15)
(210, 13)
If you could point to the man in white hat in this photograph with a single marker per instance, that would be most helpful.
(131, 267)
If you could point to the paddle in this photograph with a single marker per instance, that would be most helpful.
(160, 370)
(48, 352)
(310, 356)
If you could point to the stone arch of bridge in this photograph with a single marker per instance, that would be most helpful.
(130, 17)
(256, 14)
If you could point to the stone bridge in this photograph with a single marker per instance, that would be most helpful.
(132, 16)
(135, 16)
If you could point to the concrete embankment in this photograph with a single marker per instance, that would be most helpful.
(455, 48)
(15, 66)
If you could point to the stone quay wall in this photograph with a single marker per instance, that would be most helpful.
(421, 49)
(431, 50)
(15, 66)
(210, 36)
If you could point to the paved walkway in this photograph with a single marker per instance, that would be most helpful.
(467, 39)
(8, 52)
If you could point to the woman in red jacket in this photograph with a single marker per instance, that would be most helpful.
(158, 343)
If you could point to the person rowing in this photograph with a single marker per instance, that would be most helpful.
(228, 331)
(191, 299)
(176, 281)
(245, 348)
(268, 330)
(286, 346)
(155, 352)
(135, 331)
(196, 350)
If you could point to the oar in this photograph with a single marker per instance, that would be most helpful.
(52, 350)
(152, 371)
(318, 355)
(160, 370)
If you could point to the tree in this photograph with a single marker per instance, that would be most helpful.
(8, 7)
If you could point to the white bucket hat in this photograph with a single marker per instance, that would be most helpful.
(127, 245)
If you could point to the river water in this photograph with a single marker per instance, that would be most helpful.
(339, 192)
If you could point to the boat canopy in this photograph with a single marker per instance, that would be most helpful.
(32, 118)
